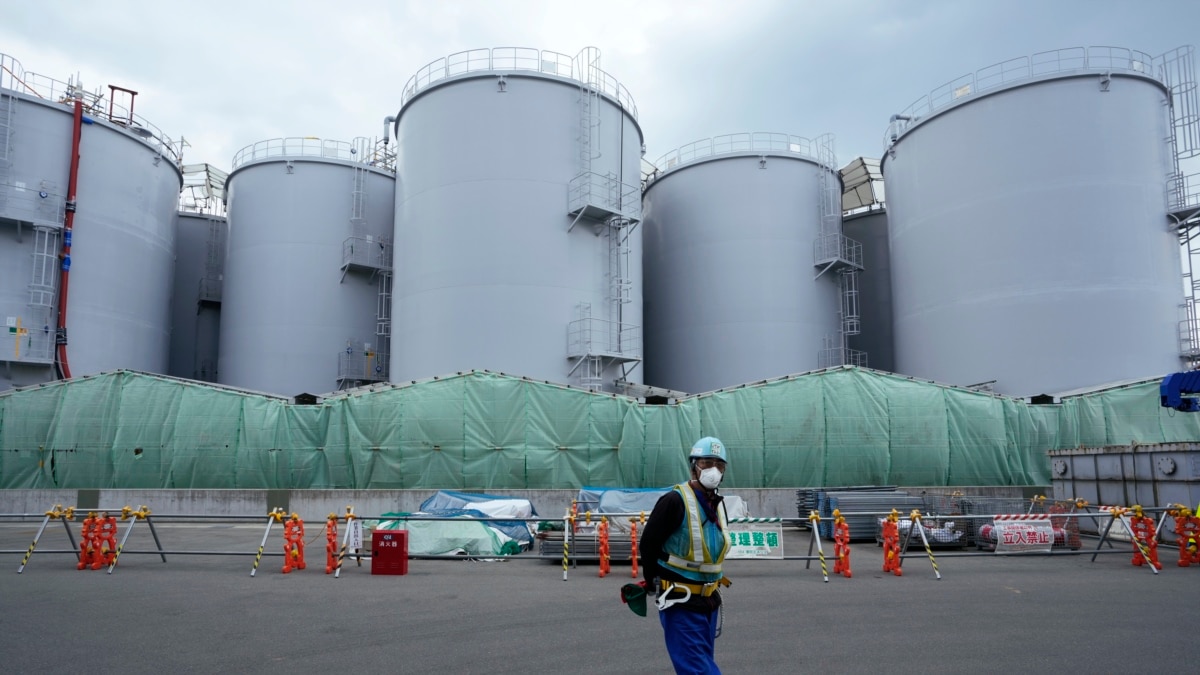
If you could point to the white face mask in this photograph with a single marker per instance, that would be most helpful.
(711, 477)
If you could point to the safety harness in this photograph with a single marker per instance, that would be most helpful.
(698, 557)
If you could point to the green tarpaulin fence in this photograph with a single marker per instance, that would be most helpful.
(487, 431)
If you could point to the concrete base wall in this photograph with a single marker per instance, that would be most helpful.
(317, 504)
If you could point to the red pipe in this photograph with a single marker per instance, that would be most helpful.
(72, 183)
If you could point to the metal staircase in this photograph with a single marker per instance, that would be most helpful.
(593, 195)
(370, 255)
(1183, 191)
(595, 343)
(839, 255)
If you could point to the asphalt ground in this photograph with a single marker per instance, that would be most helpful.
(206, 614)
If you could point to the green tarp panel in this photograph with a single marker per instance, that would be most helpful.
(143, 444)
(81, 440)
(492, 432)
(302, 434)
(793, 450)
(29, 416)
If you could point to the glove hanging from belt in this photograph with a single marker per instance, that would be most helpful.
(634, 595)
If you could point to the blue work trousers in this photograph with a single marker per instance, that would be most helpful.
(690, 640)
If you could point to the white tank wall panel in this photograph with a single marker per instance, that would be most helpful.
(19, 364)
(487, 274)
(874, 288)
(730, 293)
(1029, 240)
(122, 260)
(118, 311)
(286, 310)
(194, 326)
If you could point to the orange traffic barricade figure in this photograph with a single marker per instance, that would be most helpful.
(891, 543)
(604, 551)
(86, 541)
(633, 533)
(105, 547)
(1144, 531)
(841, 545)
(1187, 531)
(293, 544)
(331, 547)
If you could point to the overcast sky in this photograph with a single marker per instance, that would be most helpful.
(227, 74)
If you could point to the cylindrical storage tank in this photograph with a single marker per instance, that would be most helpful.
(307, 264)
(196, 301)
(517, 241)
(1029, 239)
(869, 228)
(123, 240)
(732, 291)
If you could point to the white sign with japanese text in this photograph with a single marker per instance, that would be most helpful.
(755, 540)
(1024, 534)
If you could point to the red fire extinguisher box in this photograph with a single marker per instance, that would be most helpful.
(389, 552)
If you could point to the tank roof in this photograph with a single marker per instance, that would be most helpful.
(819, 149)
(583, 67)
(95, 104)
(1041, 65)
(368, 151)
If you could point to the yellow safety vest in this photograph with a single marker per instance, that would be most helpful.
(690, 555)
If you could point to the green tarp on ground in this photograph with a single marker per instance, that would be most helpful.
(490, 432)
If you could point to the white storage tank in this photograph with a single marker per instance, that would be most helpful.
(733, 232)
(123, 238)
(517, 240)
(308, 266)
(1028, 226)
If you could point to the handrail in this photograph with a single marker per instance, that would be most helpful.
(1021, 69)
(307, 146)
(517, 59)
(16, 78)
(819, 149)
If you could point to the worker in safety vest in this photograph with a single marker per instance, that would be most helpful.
(683, 545)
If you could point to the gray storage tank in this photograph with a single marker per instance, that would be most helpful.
(196, 304)
(308, 266)
(123, 238)
(745, 264)
(864, 219)
(1028, 225)
(517, 241)
(202, 233)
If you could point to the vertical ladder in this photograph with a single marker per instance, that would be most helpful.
(383, 309)
(43, 283)
(44, 278)
(851, 322)
(358, 202)
(620, 285)
(591, 373)
(8, 106)
(214, 267)
(586, 65)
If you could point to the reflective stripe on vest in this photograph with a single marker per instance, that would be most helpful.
(698, 558)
